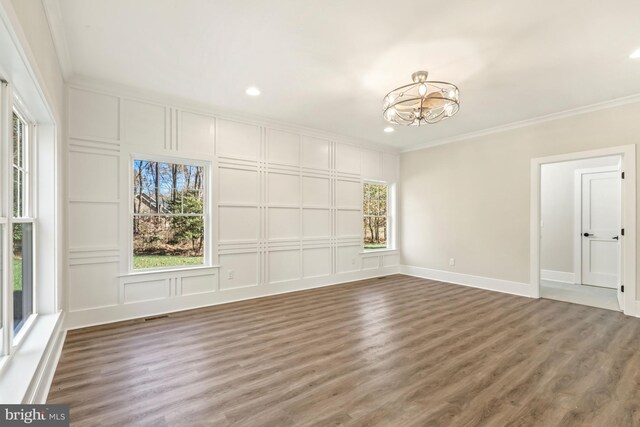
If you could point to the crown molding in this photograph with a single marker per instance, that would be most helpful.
(128, 92)
(631, 99)
(56, 27)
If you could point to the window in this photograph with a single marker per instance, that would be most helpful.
(376, 215)
(31, 206)
(22, 227)
(168, 214)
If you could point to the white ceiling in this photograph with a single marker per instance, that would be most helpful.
(327, 64)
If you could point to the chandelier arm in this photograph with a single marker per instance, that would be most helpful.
(437, 118)
(402, 121)
(442, 83)
(401, 87)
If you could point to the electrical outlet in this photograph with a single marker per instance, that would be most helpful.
(353, 261)
(452, 262)
(230, 274)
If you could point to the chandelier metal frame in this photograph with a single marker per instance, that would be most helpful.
(421, 102)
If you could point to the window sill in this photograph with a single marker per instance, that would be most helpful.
(168, 270)
(24, 330)
(378, 251)
(20, 372)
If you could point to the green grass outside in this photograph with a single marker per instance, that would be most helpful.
(160, 261)
(17, 274)
(375, 246)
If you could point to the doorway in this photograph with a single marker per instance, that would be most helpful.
(580, 213)
(581, 251)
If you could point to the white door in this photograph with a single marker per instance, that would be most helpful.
(601, 229)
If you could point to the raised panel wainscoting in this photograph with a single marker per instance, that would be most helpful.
(286, 206)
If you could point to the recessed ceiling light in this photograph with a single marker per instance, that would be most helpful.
(635, 54)
(253, 91)
(389, 129)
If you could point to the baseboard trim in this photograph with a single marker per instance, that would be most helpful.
(488, 283)
(122, 312)
(637, 310)
(558, 276)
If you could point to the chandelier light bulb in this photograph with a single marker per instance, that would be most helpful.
(448, 110)
(422, 89)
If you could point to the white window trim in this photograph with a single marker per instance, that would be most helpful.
(208, 241)
(390, 217)
(11, 104)
(28, 215)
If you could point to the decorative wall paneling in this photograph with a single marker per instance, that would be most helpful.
(285, 207)
(93, 159)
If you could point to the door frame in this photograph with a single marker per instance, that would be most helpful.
(628, 196)
(577, 216)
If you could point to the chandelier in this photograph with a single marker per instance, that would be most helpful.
(421, 101)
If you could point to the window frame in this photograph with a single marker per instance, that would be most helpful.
(389, 216)
(206, 215)
(29, 195)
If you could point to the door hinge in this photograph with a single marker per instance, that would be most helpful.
(622, 175)
(622, 232)
(622, 288)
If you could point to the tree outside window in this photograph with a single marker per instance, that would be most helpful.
(376, 216)
(168, 214)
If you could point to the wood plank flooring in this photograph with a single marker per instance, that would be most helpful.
(396, 351)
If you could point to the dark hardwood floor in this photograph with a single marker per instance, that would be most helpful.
(397, 351)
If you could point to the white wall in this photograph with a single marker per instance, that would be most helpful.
(557, 191)
(286, 215)
(470, 199)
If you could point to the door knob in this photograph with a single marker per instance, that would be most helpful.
(615, 237)
(587, 234)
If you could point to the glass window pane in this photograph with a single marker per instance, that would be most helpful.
(367, 232)
(18, 201)
(171, 195)
(165, 188)
(382, 207)
(191, 202)
(163, 241)
(18, 140)
(375, 232)
(375, 207)
(22, 274)
(383, 193)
